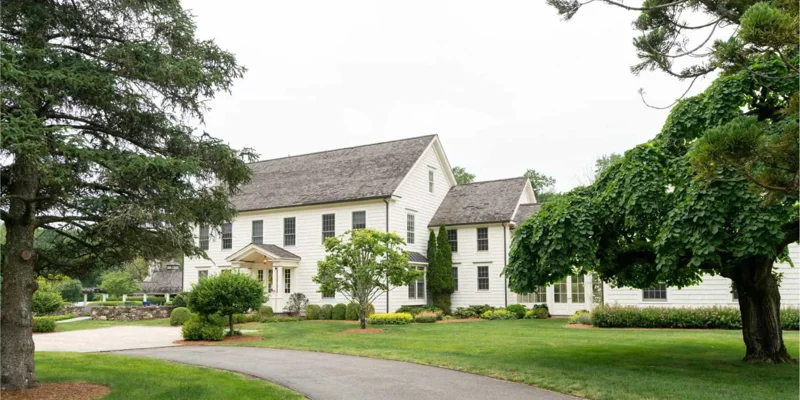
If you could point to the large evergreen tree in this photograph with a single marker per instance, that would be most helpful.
(432, 255)
(100, 99)
(444, 270)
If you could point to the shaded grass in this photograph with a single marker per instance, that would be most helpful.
(93, 324)
(148, 379)
(595, 363)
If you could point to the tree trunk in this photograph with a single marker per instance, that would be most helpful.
(16, 319)
(362, 314)
(230, 325)
(760, 305)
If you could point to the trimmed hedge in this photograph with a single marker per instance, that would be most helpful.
(414, 310)
(280, 319)
(312, 312)
(44, 324)
(673, 317)
(390, 319)
(179, 316)
(498, 314)
(46, 301)
(325, 312)
(352, 311)
(518, 310)
(339, 312)
(265, 312)
(198, 328)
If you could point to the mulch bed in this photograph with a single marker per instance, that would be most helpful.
(454, 320)
(226, 339)
(359, 330)
(578, 326)
(60, 391)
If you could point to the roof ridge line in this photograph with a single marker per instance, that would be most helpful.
(344, 148)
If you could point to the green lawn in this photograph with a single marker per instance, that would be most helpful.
(144, 379)
(92, 324)
(595, 363)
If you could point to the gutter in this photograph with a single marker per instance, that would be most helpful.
(505, 264)
(388, 290)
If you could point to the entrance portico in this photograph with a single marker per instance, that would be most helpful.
(271, 265)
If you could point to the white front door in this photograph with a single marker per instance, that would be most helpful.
(570, 295)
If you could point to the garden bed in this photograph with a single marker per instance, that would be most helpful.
(60, 391)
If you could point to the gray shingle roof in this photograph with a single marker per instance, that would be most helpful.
(278, 251)
(164, 281)
(354, 173)
(525, 211)
(480, 202)
(416, 257)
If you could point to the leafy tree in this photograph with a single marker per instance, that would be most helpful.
(297, 302)
(543, 185)
(649, 220)
(362, 264)
(137, 268)
(443, 276)
(100, 100)
(117, 283)
(605, 161)
(462, 176)
(71, 290)
(225, 294)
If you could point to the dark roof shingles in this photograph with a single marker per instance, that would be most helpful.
(369, 171)
(164, 281)
(278, 251)
(525, 211)
(480, 202)
(416, 257)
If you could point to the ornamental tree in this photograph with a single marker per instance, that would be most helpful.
(362, 264)
(118, 283)
(652, 218)
(226, 294)
(100, 100)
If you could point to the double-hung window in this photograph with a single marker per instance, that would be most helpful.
(657, 293)
(328, 226)
(455, 278)
(452, 237)
(203, 237)
(483, 239)
(538, 296)
(289, 231)
(258, 232)
(430, 181)
(410, 228)
(416, 290)
(359, 219)
(483, 278)
(227, 236)
(260, 275)
(202, 274)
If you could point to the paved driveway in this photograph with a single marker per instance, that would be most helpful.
(107, 339)
(333, 376)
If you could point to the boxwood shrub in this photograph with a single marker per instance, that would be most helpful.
(517, 309)
(339, 312)
(325, 311)
(44, 324)
(352, 311)
(198, 328)
(674, 317)
(390, 319)
(179, 316)
(265, 312)
(312, 312)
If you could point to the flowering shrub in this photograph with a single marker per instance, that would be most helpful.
(390, 319)
(581, 317)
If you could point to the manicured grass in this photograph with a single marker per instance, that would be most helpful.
(143, 379)
(594, 363)
(92, 324)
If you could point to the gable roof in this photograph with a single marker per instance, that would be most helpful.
(277, 250)
(480, 202)
(525, 211)
(355, 173)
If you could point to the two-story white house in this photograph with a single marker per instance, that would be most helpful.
(405, 186)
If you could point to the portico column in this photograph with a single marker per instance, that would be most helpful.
(166, 297)
(281, 284)
(274, 296)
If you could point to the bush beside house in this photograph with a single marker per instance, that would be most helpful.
(390, 319)
(673, 317)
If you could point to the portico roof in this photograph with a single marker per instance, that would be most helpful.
(270, 251)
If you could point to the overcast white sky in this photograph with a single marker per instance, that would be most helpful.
(506, 85)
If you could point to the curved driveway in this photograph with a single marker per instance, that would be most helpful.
(333, 376)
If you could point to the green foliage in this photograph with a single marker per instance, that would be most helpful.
(581, 317)
(179, 316)
(517, 309)
(312, 311)
(352, 311)
(498, 314)
(433, 259)
(543, 185)
(339, 312)
(426, 317)
(179, 300)
(326, 312)
(280, 319)
(668, 317)
(605, 161)
(297, 302)
(137, 269)
(474, 311)
(265, 312)
(462, 176)
(390, 319)
(71, 290)
(198, 328)
(46, 300)
(416, 309)
(118, 283)
(539, 311)
(239, 318)
(60, 317)
(226, 294)
(44, 324)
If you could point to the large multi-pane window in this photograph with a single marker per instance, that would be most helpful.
(455, 278)
(202, 274)
(410, 228)
(658, 292)
(287, 280)
(578, 289)
(416, 290)
(483, 278)
(430, 181)
(204, 238)
(359, 219)
(539, 296)
(289, 231)
(227, 236)
(258, 232)
(328, 226)
(452, 237)
(483, 239)
(560, 291)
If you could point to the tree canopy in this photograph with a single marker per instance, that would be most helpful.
(226, 294)
(100, 102)
(543, 185)
(462, 176)
(118, 283)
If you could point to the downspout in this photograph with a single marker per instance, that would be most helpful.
(388, 290)
(505, 264)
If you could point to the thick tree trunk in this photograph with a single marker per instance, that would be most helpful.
(16, 319)
(230, 325)
(760, 305)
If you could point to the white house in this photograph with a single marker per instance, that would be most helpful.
(405, 186)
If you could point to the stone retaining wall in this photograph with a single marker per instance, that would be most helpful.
(121, 313)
